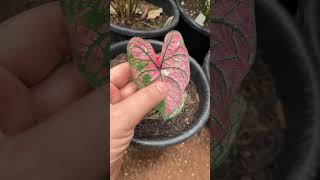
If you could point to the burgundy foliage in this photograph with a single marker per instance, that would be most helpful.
(232, 54)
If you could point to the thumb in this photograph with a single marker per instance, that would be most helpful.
(136, 106)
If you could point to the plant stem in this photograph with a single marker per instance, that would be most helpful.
(125, 9)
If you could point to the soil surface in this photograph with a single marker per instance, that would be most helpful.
(260, 139)
(193, 10)
(135, 22)
(187, 161)
(157, 128)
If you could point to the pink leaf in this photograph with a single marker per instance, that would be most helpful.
(232, 53)
(171, 67)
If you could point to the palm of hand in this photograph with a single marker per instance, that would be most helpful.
(33, 87)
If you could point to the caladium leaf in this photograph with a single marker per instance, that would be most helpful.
(88, 27)
(171, 67)
(233, 45)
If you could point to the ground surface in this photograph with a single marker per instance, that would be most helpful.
(187, 161)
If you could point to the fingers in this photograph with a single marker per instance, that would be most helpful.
(17, 112)
(34, 42)
(128, 90)
(65, 85)
(119, 86)
(120, 75)
(79, 128)
(135, 107)
(116, 95)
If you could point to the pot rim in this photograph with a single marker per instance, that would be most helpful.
(191, 22)
(197, 126)
(306, 147)
(206, 65)
(309, 12)
(149, 33)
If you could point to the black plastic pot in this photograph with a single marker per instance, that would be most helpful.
(199, 78)
(196, 37)
(290, 5)
(119, 33)
(284, 49)
(206, 64)
(309, 22)
(191, 22)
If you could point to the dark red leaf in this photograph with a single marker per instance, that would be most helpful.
(232, 52)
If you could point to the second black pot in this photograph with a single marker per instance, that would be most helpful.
(196, 37)
(202, 114)
(191, 22)
(206, 64)
(284, 49)
(119, 33)
(309, 12)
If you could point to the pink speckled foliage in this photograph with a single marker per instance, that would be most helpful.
(232, 54)
(88, 26)
(171, 67)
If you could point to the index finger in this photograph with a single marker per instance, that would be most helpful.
(33, 43)
(120, 75)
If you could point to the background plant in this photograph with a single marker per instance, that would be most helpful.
(204, 6)
(125, 9)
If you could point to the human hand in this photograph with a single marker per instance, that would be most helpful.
(68, 144)
(33, 85)
(127, 108)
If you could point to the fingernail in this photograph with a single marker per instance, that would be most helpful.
(162, 88)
